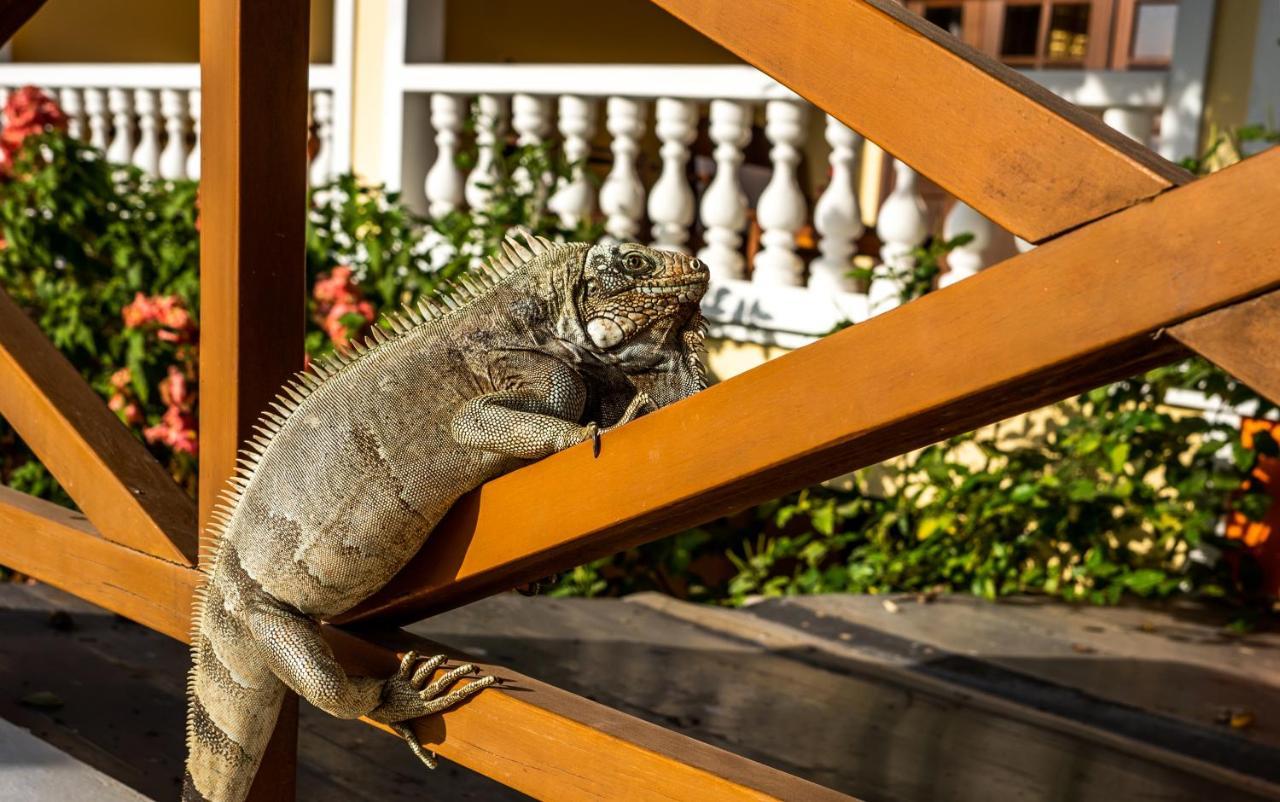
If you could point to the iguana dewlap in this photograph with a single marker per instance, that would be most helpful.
(365, 452)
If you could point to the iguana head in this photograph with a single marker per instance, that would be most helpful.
(639, 310)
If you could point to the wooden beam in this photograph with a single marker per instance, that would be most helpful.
(59, 546)
(1243, 340)
(104, 468)
(1027, 159)
(529, 735)
(1072, 314)
(253, 78)
(14, 14)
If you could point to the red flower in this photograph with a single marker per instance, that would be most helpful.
(176, 429)
(121, 378)
(173, 389)
(338, 298)
(28, 112)
(174, 323)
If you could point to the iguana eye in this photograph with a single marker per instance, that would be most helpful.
(635, 263)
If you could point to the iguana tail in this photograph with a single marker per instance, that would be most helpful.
(233, 700)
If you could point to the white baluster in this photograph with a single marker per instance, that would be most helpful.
(444, 180)
(173, 159)
(671, 199)
(193, 158)
(121, 108)
(146, 156)
(781, 209)
(574, 199)
(490, 123)
(902, 227)
(724, 204)
(622, 194)
(69, 99)
(322, 118)
(530, 118)
(966, 260)
(1133, 123)
(95, 108)
(836, 215)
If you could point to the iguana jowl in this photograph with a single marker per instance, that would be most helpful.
(553, 344)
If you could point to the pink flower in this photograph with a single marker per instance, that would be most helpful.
(121, 378)
(173, 389)
(338, 297)
(29, 111)
(140, 311)
(176, 429)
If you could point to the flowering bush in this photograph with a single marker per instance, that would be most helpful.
(105, 259)
(28, 112)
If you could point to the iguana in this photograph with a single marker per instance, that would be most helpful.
(548, 346)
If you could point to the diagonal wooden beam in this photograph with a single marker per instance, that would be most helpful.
(1243, 340)
(529, 735)
(1072, 314)
(14, 14)
(1027, 159)
(104, 468)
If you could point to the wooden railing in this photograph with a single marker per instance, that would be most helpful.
(1143, 254)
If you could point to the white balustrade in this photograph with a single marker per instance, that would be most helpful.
(966, 260)
(119, 103)
(724, 204)
(490, 123)
(530, 119)
(671, 198)
(836, 216)
(444, 185)
(322, 121)
(781, 210)
(903, 226)
(574, 200)
(622, 193)
(173, 159)
(95, 106)
(193, 158)
(69, 99)
(146, 154)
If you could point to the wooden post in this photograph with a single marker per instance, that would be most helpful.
(253, 60)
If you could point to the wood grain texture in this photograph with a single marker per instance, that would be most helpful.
(253, 78)
(1243, 340)
(253, 74)
(1072, 314)
(60, 547)
(104, 468)
(14, 14)
(1028, 160)
(534, 737)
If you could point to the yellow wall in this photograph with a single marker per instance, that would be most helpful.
(549, 31)
(113, 31)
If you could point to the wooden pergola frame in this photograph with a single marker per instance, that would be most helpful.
(1130, 248)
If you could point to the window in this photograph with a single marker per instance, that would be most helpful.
(1021, 32)
(1068, 38)
(1061, 34)
(948, 18)
(1144, 34)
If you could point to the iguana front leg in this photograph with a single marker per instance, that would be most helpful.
(535, 413)
(300, 657)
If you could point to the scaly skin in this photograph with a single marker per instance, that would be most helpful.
(369, 452)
